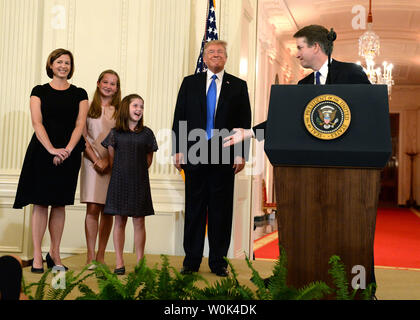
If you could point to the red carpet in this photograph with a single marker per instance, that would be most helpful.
(397, 240)
(267, 247)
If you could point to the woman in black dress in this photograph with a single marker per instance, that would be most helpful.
(52, 161)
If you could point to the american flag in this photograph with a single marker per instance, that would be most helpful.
(209, 34)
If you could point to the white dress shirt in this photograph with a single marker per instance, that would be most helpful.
(219, 82)
(324, 73)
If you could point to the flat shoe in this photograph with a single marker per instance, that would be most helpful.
(120, 271)
(60, 267)
(92, 267)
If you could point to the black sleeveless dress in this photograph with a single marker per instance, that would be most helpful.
(41, 182)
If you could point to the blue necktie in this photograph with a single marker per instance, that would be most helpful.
(317, 75)
(211, 106)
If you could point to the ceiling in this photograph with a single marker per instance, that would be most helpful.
(396, 22)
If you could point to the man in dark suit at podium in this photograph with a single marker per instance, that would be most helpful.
(312, 51)
(312, 45)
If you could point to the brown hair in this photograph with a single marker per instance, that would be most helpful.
(123, 114)
(314, 34)
(54, 56)
(95, 109)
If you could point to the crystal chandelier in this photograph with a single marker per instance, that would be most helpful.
(369, 46)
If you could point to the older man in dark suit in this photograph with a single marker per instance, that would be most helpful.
(209, 106)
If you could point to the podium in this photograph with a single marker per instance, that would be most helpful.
(328, 145)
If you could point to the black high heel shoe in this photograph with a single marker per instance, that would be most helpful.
(37, 270)
(51, 263)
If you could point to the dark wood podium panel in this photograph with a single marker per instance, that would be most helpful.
(322, 212)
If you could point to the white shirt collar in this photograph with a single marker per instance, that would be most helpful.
(219, 74)
(324, 72)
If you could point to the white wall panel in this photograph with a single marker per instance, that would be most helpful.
(152, 44)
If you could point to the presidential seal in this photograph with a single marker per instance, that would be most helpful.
(327, 117)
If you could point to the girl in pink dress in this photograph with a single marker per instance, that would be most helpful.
(95, 171)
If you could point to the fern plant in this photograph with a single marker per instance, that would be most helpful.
(342, 291)
(227, 288)
(166, 283)
(72, 281)
(42, 293)
(172, 285)
(40, 287)
(277, 288)
(111, 287)
(338, 273)
(143, 283)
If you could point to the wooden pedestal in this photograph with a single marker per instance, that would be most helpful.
(322, 212)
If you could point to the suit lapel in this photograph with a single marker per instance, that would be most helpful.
(203, 97)
(224, 91)
(332, 73)
(311, 78)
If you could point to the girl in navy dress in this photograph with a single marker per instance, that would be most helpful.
(131, 146)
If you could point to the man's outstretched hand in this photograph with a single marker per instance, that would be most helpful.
(239, 135)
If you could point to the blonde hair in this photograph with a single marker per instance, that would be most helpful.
(216, 42)
(95, 109)
(123, 114)
(57, 53)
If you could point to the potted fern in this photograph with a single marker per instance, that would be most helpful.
(166, 283)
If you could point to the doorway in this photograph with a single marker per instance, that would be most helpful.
(388, 196)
